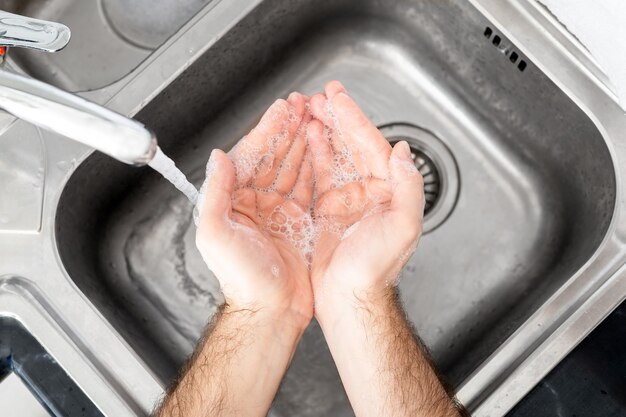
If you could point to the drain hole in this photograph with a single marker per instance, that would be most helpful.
(429, 171)
(497, 41)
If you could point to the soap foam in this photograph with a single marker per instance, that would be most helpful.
(245, 157)
(298, 230)
(407, 166)
(344, 169)
(275, 271)
(298, 227)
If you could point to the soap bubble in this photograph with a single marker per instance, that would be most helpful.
(298, 226)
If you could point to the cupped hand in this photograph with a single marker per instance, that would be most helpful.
(369, 204)
(254, 228)
(256, 231)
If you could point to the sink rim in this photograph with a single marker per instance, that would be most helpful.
(23, 301)
(132, 93)
(588, 89)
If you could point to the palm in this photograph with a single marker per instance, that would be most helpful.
(353, 237)
(261, 231)
(355, 223)
(270, 228)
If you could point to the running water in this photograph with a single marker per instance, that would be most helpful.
(166, 167)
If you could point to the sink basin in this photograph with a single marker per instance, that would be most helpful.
(109, 37)
(527, 183)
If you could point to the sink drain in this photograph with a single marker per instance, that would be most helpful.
(436, 164)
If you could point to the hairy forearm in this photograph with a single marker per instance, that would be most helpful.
(237, 368)
(382, 364)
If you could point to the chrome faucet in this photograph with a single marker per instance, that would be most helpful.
(20, 31)
(61, 112)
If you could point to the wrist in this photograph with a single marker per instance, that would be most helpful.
(283, 317)
(349, 307)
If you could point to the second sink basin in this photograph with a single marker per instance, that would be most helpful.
(109, 37)
(527, 181)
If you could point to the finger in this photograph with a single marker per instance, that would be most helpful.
(333, 88)
(217, 203)
(282, 143)
(290, 166)
(266, 171)
(407, 201)
(336, 139)
(298, 101)
(361, 135)
(319, 101)
(322, 157)
(303, 189)
(244, 203)
(321, 110)
(301, 104)
(247, 154)
(318, 105)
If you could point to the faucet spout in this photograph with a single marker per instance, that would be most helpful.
(58, 111)
(25, 32)
(76, 118)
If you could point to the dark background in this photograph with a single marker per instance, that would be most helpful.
(589, 382)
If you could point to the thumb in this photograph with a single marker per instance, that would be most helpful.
(215, 203)
(407, 201)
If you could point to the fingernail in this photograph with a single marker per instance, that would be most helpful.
(341, 86)
(278, 104)
(342, 99)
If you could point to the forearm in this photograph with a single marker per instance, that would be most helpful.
(237, 369)
(381, 363)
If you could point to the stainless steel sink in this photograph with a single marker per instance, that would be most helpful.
(532, 207)
(524, 148)
(109, 37)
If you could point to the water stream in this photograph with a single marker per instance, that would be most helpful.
(166, 167)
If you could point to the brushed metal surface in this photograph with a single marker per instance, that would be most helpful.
(530, 259)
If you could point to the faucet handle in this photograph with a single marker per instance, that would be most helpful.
(25, 32)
